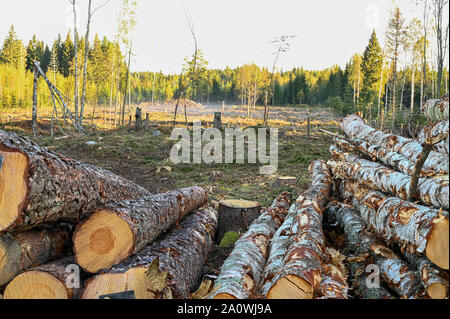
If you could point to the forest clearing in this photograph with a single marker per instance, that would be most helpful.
(247, 182)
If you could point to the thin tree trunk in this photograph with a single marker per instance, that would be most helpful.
(76, 58)
(86, 52)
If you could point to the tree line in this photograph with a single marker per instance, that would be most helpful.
(382, 81)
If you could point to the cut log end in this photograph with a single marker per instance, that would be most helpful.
(36, 285)
(290, 287)
(437, 249)
(103, 241)
(9, 258)
(134, 279)
(224, 296)
(437, 291)
(13, 186)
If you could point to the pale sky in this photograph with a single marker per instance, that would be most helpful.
(230, 32)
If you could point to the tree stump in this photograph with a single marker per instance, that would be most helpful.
(236, 215)
(215, 175)
(138, 123)
(284, 181)
(218, 120)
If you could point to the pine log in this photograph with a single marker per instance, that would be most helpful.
(418, 228)
(118, 230)
(281, 241)
(436, 110)
(354, 127)
(434, 280)
(181, 255)
(38, 186)
(434, 192)
(394, 271)
(49, 281)
(236, 215)
(385, 156)
(241, 274)
(300, 273)
(433, 132)
(20, 251)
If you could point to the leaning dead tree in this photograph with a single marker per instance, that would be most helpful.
(58, 98)
(241, 274)
(41, 186)
(166, 269)
(118, 230)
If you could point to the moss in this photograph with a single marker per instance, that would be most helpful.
(229, 239)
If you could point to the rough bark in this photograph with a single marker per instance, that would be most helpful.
(418, 228)
(281, 241)
(115, 232)
(333, 285)
(357, 279)
(181, 256)
(436, 110)
(433, 192)
(21, 251)
(393, 270)
(49, 281)
(354, 127)
(302, 264)
(435, 130)
(434, 280)
(241, 274)
(236, 216)
(383, 155)
(40, 186)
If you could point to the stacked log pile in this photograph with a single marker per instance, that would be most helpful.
(61, 221)
(373, 224)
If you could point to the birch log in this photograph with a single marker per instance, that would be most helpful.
(20, 251)
(334, 283)
(418, 228)
(300, 273)
(278, 246)
(354, 127)
(432, 132)
(385, 156)
(394, 271)
(434, 280)
(56, 280)
(240, 275)
(434, 192)
(38, 186)
(436, 110)
(115, 232)
(181, 255)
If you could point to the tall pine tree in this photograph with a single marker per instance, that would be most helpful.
(371, 65)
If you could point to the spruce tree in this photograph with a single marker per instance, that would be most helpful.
(371, 67)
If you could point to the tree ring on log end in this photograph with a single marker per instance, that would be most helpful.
(290, 287)
(437, 291)
(10, 255)
(224, 296)
(135, 279)
(36, 285)
(13, 186)
(103, 241)
(437, 249)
